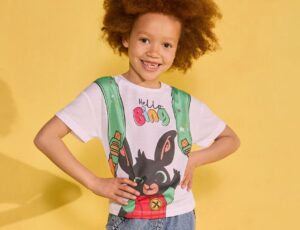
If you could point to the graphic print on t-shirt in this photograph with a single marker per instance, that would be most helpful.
(155, 185)
(146, 111)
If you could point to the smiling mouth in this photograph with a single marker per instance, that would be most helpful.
(150, 66)
(150, 189)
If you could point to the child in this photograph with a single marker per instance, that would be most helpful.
(147, 127)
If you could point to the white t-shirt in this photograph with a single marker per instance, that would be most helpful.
(151, 155)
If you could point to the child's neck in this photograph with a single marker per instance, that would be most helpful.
(152, 84)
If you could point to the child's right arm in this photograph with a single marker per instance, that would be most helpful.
(49, 141)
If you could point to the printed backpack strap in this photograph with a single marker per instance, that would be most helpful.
(116, 119)
(181, 105)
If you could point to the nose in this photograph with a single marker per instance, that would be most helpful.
(153, 51)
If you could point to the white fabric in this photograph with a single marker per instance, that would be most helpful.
(86, 116)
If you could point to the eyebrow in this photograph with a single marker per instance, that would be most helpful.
(150, 35)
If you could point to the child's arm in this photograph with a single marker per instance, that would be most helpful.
(49, 141)
(225, 144)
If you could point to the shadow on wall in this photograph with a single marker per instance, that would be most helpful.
(27, 192)
(8, 111)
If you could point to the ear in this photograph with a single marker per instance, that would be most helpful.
(125, 42)
(165, 148)
(125, 159)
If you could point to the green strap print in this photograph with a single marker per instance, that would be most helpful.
(181, 105)
(116, 118)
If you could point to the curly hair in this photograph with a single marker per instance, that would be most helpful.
(197, 18)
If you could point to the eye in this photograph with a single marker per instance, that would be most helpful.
(145, 40)
(161, 176)
(139, 180)
(167, 45)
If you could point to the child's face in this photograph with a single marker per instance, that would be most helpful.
(151, 47)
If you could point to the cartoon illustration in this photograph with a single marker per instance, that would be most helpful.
(154, 182)
(145, 112)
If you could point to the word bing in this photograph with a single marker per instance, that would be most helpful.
(149, 113)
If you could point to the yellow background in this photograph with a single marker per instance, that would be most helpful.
(51, 50)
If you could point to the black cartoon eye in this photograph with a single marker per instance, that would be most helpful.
(161, 176)
(139, 180)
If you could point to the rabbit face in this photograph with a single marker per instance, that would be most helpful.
(151, 175)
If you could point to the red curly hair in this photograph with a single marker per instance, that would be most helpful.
(197, 18)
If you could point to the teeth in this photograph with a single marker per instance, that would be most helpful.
(150, 66)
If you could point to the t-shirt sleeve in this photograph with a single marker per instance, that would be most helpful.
(82, 115)
(205, 125)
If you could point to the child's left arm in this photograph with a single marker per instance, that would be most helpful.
(225, 144)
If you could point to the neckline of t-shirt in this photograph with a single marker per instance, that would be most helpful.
(162, 88)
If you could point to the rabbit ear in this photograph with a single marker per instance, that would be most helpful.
(165, 148)
(125, 159)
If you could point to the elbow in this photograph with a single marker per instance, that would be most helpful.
(38, 140)
(236, 143)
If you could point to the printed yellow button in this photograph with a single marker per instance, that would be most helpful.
(155, 204)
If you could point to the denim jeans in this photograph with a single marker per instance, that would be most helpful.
(181, 222)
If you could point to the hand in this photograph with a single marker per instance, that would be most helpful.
(116, 189)
(187, 180)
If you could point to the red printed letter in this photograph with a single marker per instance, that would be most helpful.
(138, 116)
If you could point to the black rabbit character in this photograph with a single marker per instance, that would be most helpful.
(154, 183)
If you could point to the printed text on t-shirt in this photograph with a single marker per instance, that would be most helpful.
(148, 112)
